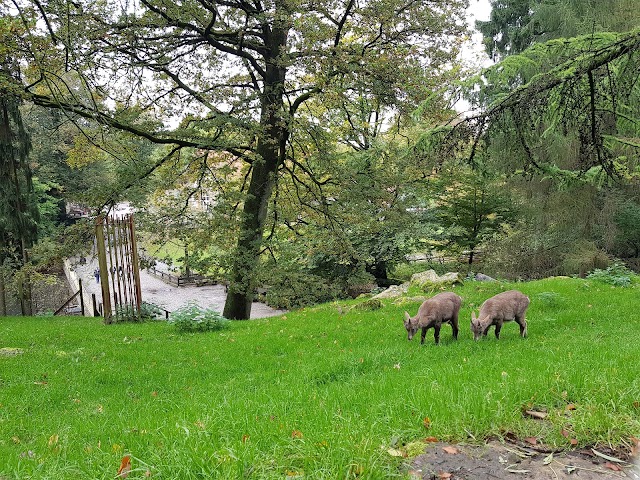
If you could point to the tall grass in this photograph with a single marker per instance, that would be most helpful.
(321, 393)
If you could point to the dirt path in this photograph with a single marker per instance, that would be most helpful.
(504, 461)
(171, 297)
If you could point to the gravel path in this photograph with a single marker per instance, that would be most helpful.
(171, 297)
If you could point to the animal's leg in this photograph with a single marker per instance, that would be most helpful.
(523, 325)
(454, 326)
(436, 333)
(486, 330)
(498, 327)
(422, 335)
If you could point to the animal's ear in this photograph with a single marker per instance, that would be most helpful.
(473, 317)
(407, 317)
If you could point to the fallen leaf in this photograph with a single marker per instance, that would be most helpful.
(444, 475)
(451, 450)
(636, 404)
(531, 440)
(564, 433)
(53, 440)
(548, 459)
(607, 457)
(612, 466)
(296, 434)
(154, 394)
(125, 467)
(570, 469)
(511, 470)
(15, 439)
(394, 452)
(570, 406)
(245, 437)
(573, 442)
(535, 414)
(147, 474)
(431, 440)
(426, 422)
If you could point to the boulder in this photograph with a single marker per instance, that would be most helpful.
(431, 279)
(481, 277)
(394, 291)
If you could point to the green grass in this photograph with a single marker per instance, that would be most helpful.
(316, 392)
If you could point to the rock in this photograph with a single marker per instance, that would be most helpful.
(430, 276)
(481, 277)
(394, 291)
(430, 279)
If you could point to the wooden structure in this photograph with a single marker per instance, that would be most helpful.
(119, 268)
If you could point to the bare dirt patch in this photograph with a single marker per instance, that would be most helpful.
(506, 461)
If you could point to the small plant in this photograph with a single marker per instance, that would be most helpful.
(149, 311)
(369, 305)
(616, 274)
(193, 318)
(548, 299)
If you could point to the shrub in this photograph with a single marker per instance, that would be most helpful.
(616, 274)
(193, 318)
(298, 289)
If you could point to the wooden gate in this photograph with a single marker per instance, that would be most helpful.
(119, 268)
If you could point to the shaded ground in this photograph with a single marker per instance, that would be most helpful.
(502, 461)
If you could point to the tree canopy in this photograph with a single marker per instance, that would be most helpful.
(231, 76)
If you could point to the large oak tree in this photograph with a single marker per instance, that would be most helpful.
(231, 75)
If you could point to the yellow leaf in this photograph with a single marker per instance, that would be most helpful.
(394, 452)
(426, 422)
(53, 440)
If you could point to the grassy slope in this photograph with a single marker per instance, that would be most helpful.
(316, 391)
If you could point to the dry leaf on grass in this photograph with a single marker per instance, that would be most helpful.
(125, 467)
(296, 434)
(394, 452)
(426, 422)
(537, 415)
(607, 457)
(444, 475)
(531, 440)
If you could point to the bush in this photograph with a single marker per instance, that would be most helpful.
(193, 318)
(616, 274)
(296, 290)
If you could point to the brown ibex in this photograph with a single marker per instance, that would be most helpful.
(504, 307)
(442, 308)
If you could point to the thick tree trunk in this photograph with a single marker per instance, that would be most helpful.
(270, 149)
(242, 281)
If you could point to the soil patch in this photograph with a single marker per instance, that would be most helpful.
(502, 461)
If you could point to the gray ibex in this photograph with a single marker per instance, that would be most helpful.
(442, 308)
(504, 307)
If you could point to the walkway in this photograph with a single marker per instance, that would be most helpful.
(171, 297)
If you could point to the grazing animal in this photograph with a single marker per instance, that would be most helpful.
(504, 307)
(442, 308)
